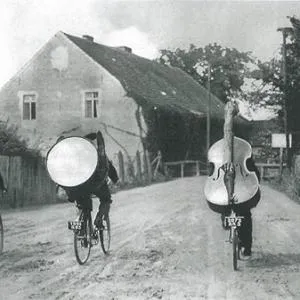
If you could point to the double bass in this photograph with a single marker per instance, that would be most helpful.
(230, 179)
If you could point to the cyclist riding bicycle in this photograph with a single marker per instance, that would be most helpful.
(243, 210)
(97, 186)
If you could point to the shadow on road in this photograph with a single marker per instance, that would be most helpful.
(269, 260)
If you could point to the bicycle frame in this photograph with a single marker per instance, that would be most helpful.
(234, 221)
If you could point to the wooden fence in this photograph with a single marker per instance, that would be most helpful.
(195, 168)
(185, 168)
(138, 169)
(27, 181)
(269, 170)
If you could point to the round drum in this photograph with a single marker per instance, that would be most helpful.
(72, 161)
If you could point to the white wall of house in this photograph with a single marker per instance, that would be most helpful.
(58, 77)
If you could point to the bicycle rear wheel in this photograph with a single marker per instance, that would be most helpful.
(104, 233)
(82, 238)
(1, 235)
(235, 248)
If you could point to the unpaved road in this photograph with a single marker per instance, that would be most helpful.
(166, 244)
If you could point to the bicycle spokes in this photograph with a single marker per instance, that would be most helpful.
(234, 222)
(86, 235)
(105, 234)
(82, 238)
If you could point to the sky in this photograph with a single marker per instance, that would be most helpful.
(145, 26)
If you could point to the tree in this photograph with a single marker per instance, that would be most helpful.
(271, 75)
(234, 75)
(228, 66)
(291, 86)
(293, 76)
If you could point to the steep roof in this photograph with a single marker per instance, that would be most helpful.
(150, 82)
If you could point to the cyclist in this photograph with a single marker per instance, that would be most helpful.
(97, 186)
(244, 210)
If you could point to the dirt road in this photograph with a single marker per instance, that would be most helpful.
(166, 244)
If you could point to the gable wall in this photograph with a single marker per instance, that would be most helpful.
(59, 75)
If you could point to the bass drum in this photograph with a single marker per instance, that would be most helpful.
(75, 162)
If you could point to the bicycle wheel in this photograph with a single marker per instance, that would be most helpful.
(82, 238)
(1, 235)
(105, 234)
(235, 250)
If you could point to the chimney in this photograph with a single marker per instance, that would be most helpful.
(88, 37)
(125, 48)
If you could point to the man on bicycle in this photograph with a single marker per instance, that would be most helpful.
(97, 186)
(244, 210)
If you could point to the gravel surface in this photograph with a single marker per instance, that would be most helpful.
(166, 244)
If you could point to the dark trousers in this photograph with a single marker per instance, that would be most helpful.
(244, 210)
(245, 231)
(82, 195)
(104, 195)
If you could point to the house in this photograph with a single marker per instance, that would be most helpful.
(73, 86)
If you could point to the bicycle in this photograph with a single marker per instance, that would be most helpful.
(87, 235)
(233, 222)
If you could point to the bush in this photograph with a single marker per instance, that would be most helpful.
(11, 144)
(287, 184)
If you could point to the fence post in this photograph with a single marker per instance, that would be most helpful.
(158, 160)
(166, 170)
(197, 168)
(138, 166)
(182, 170)
(121, 167)
(147, 166)
(262, 175)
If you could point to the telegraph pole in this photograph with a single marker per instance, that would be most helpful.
(285, 31)
(208, 112)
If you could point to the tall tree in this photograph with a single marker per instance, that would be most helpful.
(228, 66)
(293, 82)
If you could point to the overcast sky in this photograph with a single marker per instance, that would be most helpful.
(145, 26)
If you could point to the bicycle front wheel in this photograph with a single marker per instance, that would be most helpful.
(235, 248)
(1, 235)
(82, 239)
(105, 234)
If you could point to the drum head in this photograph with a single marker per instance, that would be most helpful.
(72, 161)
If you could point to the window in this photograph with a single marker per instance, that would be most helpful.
(29, 107)
(91, 100)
